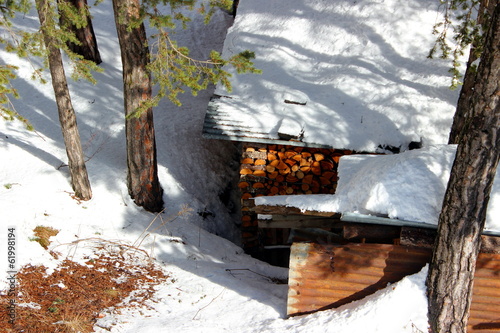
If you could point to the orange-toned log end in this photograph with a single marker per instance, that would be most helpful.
(259, 173)
(258, 185)
(243, 184)
(245, 171)
(245, 196)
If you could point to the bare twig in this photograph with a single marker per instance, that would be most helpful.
(196, 62)
(185, 210)
(122, 246)
(213, 299)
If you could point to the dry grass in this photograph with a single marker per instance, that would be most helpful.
(76, 323)
(43, 234)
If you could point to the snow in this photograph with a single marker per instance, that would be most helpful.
(408, 186)
(217, 287)
(361, 71)
(375, 313)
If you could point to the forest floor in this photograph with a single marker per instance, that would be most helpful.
(74, 295)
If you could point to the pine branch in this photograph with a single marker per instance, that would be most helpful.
(460, 16)
(175, 71)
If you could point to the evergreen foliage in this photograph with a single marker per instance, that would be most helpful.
(31, 44)
(172, 68)
(463, 18)
(7, 110)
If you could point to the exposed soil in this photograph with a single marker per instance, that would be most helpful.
(75, 295)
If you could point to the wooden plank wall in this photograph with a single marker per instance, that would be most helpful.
(328, 276)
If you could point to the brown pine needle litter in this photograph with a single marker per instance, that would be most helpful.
(75, 295)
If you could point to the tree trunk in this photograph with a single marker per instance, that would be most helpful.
(463, 105)
(462, 219)
(88, 43)
(143, 184)
(463, 102)
(67, 117)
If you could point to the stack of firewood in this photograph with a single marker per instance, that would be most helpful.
(285, 170)
(282, 170)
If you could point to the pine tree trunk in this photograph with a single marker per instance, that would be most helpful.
(67, 117)
(463, 102)
(467, 91)
(143, 184)
(88, 42)
(462, 219)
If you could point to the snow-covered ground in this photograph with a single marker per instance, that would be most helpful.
(206, 296)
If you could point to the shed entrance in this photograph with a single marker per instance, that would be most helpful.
(272, 169)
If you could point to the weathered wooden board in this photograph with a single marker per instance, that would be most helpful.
(296, 222)
(420, 237)
(286, 211)
(328, 276)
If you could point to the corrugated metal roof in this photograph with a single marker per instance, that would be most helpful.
(220, 125)
(328, 276)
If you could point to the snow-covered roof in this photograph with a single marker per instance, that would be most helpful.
(408, 186)
(345, 74)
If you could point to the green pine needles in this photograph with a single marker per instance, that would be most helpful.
(7, 72)
(172, 68)
(31, 44)
(7, 110)
(463, 18)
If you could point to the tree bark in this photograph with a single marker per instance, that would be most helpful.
(143, 184)
(67, 118)
(462, 219)
(464, 100)
(88, 43)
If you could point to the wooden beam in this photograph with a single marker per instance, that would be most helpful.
(425, 238)
(283, 210)
(419, 237)
(294, 222)
(316, 235)
(305, 217)
(490, 244)
(294, 218)
(370, 232)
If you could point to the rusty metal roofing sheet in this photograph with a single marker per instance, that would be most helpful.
(328, 276)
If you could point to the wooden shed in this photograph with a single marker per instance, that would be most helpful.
(340, 258)
(337, 80)
(318, 98)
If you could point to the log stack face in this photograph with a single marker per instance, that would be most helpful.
(267, 170)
